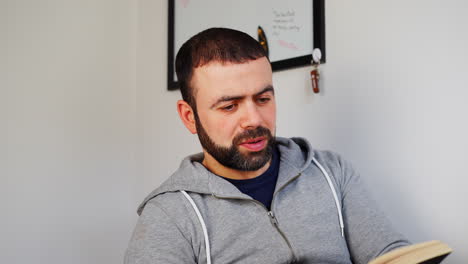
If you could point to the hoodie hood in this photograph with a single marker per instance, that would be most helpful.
(296, 154)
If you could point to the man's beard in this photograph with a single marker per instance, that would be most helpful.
(231, 157)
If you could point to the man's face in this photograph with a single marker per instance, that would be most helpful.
(236, 112)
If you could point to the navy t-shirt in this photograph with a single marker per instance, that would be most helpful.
(262, 187)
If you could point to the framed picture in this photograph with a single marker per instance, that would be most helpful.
(289, 30)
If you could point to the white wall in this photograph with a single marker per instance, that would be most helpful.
(67, 130)
(88, 128)
(394, 104)
(390, 103)
(163, 141)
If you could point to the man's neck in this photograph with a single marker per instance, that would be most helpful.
(217, 168)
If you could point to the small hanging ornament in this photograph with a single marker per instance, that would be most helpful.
(315, 74)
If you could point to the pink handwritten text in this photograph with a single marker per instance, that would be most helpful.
(288, 45)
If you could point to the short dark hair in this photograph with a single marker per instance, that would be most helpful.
(213, 45)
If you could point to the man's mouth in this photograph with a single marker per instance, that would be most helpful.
(254, 144)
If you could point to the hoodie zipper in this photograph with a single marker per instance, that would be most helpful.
(270, 213)
(274, 222)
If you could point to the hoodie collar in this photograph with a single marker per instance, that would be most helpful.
(192, 176)
(296, 155)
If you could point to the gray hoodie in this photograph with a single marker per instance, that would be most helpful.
(302, 226)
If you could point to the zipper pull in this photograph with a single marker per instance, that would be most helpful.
(272, 218)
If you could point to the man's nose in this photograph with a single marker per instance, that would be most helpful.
(251, 117)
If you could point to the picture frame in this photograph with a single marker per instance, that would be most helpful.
(281, 18)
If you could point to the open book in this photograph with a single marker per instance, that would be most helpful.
(431, 252)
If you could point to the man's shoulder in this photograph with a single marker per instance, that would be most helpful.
(166, 201)
(191, 176)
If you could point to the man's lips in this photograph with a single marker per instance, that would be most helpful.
(255, 144)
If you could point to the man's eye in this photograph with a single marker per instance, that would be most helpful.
(264, 100)
(229, 107)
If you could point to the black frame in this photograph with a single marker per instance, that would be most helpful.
(319, 42)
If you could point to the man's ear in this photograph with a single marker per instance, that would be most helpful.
(187, 115)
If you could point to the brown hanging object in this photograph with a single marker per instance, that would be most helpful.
(262, 39)
(315, 74)
(314, 77)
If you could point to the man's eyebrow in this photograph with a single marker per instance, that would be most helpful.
(225, 99)
(268, 88)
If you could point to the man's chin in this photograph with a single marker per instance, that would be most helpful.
(247, 153)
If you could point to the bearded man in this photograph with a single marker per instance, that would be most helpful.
(250, 196)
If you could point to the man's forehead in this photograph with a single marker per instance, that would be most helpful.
(220, 67)
(227, 78)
